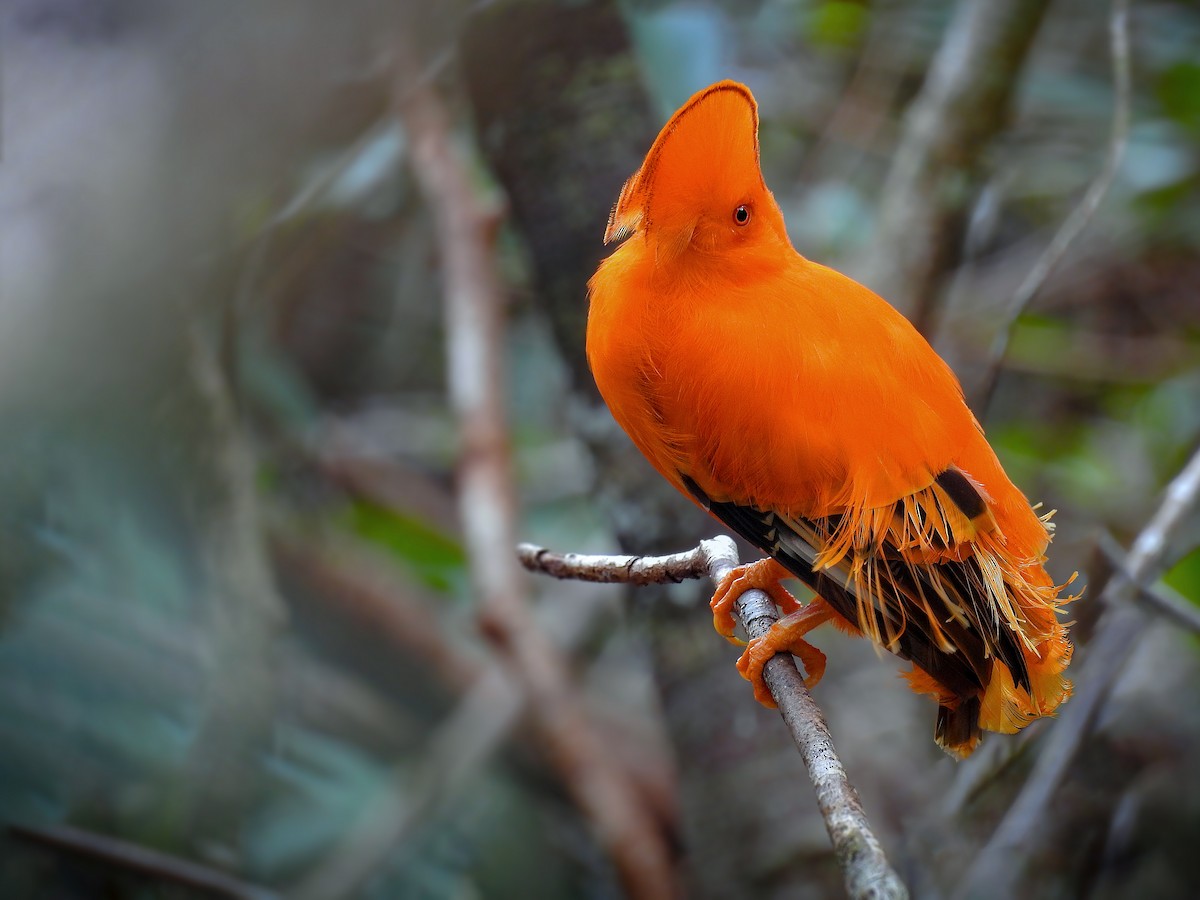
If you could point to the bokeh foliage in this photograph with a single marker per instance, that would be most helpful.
(223, 339)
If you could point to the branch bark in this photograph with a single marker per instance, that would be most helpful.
(141, 860)
(465, 229)
(963, 103)
(639, 570)
(1080, 216)
(865, 868)
(489, 709)
(244, 612)
(1159, 599)
(367, 594)
(1000, 864)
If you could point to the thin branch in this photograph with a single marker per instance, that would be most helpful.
(1000, 864)
(639, 570)
(326, 698)
(1167, 603)
(1159, 599)
(141, 860)
(243, 610)
(466, 229)
(1081, 215)
(853, 128)
(455, 756)
(365, 592)
(486, 715)
(864, 866)
(986, 766)
(963, 103)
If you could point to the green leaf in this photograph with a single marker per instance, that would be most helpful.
(838, 24)
(435, 558)
(1166, 199)
(1179, 93)
(1184, 576)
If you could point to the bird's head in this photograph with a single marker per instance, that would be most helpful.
(700, 188)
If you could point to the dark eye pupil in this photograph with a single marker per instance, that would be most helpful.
(741, 215)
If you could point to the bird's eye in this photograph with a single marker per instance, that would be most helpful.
(741, 215)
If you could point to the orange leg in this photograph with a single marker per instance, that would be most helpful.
(787, 636)
(764, 575)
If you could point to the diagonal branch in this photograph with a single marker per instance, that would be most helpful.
(486, 717)
(865, 868)
(635, 840)
(153, 864)
(1160, 599)
(963, 104)
(1002, 861)
(1080, 216)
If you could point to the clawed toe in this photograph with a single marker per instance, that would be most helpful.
(758, 652)
(763, 575)
(786, 636)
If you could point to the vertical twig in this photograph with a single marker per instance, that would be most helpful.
(1080, 216)
(473, 306)
(455, 753)
(243, 609)
(964, 102)
(1000, 864)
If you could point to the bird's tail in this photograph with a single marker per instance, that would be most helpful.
(936, 586)
(958, 731)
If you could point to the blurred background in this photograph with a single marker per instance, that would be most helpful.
(241, 650)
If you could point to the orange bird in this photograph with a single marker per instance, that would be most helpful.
(810, 417)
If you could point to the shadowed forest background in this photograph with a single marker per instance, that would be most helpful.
(240, 622)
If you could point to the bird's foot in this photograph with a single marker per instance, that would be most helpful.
(787, 636)
(764, 575)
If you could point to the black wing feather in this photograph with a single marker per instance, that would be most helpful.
(965, 670)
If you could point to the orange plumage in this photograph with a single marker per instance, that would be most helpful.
(810, 417)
